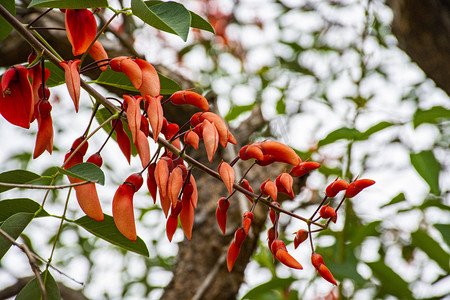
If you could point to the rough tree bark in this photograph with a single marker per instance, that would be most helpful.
(423, 32)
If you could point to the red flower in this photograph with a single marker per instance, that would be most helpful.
(16, 99)
(357, 186)
(98, 53)
(227, 175)
(44, 137)
(123, 213)
(81, 29)
(72, 77)
(190, 97)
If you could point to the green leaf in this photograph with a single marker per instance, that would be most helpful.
(32, 290)
(397, 199)
(339, 134)
(262, 290)
(428, 167)
(108, 231)
(9, 207)
(375, 128)
(14, 226)
(5, 27)
(69, 4)
(16, 176)
(362, 232)
(116, 79)
(85, 171)
(57, 76)
(427, 244)
(121, 81)
(390, 282)
(200, 23)
(432, 115)
(444, 229)
(169, 16)
(168, 86)
(237, 110)
(281, 106)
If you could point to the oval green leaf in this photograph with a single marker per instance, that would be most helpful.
(108, 231)
(432, 115)
(32, 291)
(169, 16)
(267, 288)
(121, 81)
(444, 229)
(14, 226)
(339, 134)
(16, 176)
(428, 167)
(390, 282)
(69, 4)
(5, 27)
(9, 207)
(200, 23)
(427, 244)
(85, 171)
(237, 110)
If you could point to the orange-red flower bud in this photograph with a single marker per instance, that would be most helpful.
(123, 140)
(44, 137)
(191, 138)
(226, 172)
(150, 80)
(162, 171)
(304, 168)
(81, 29)
(326, 274)
(221, 213)
(123, 213)
(72, 77)
(95, 159)
(175, 184)
(187, 211)
(335, 187)
(233, 252)
(280, 152)
(284, 184)
(155, 114)
(327, 212)
(269, 188)
(316, 260)
(247, 186)
(98, 53)
(357, 186)
(300, 237)
(247, 221)
(190, 97)
(133, 115)
(172, 220)
(151, 182)
(210, 138)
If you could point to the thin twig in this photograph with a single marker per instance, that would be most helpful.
(45, 187)
(31, 260)
(36, 256)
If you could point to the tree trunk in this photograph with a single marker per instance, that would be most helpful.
(423, 32)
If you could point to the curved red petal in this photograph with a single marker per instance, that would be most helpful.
(81, 29)
(122, 209)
